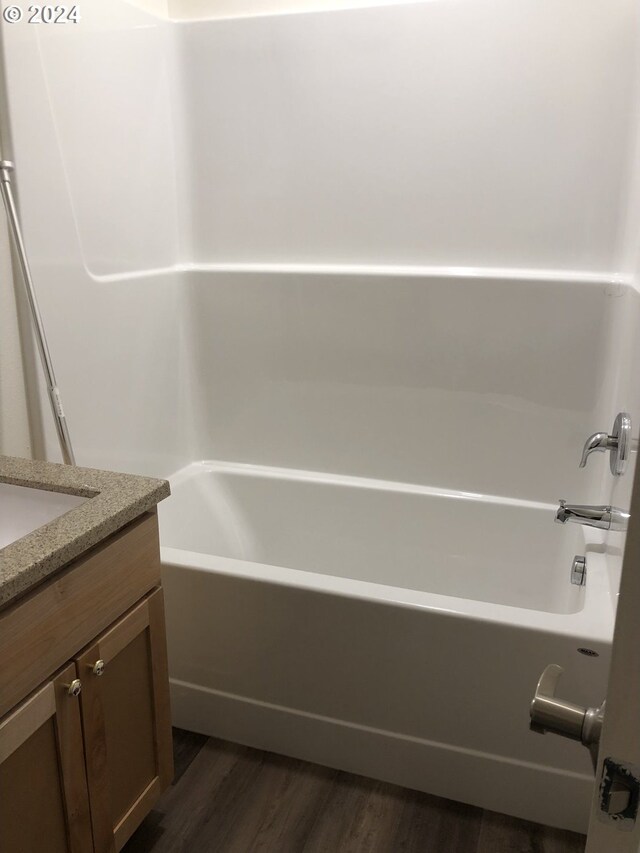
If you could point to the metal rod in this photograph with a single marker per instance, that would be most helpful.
(6, 167)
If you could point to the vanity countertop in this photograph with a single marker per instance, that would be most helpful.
(115, 500)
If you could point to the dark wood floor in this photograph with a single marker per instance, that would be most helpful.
(227, 798)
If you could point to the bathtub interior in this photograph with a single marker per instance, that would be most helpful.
(446, 543)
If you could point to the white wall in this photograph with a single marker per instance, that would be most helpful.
(436, 133)
(92, 144)
(105, 84)
(410, 378)
(155, 7)
(210, 9)
(15, 434)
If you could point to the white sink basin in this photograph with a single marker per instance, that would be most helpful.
(23, 510)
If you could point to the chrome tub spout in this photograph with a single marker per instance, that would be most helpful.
(603, 517)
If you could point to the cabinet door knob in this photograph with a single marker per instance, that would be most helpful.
(74, 688)
(98, 667)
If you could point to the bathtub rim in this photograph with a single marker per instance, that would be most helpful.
(590, 623)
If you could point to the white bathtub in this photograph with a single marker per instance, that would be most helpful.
(386, 629)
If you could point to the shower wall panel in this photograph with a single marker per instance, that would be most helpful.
(442, 133)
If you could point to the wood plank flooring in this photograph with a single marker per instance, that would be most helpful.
(228, 798)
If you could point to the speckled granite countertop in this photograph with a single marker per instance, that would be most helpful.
(116, 499)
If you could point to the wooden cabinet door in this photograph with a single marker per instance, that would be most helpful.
(126, 722)
(43, 788)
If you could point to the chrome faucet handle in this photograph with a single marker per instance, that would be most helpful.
(598, 441)
(619, 443)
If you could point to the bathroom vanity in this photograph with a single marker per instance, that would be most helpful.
(85, 730)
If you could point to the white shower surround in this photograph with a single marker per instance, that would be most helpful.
(280, 255)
